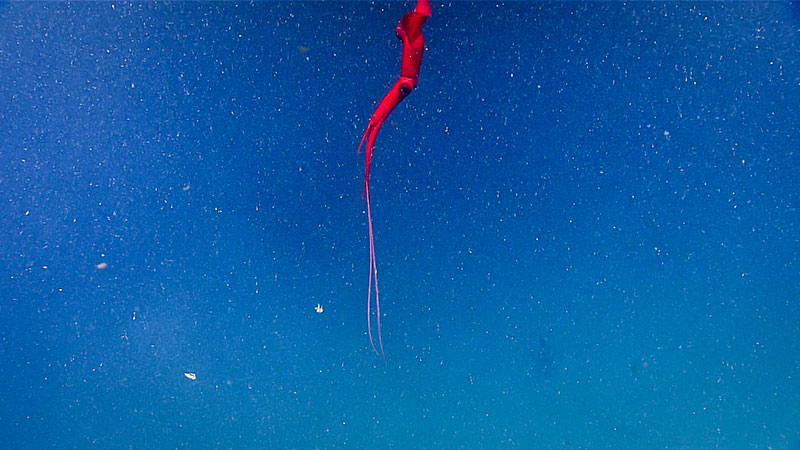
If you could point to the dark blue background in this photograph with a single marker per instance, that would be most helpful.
(586, 222)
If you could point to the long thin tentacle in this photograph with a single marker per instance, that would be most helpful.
(373, 273)
(371, 263)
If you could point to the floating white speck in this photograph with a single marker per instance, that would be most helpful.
(190, 375)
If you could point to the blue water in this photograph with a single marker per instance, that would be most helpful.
(586, 222)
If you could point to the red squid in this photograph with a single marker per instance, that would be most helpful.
(409, 30)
